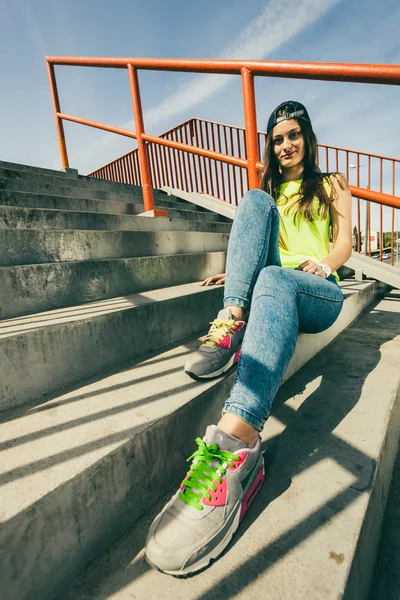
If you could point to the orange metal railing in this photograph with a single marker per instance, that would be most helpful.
(248, 70)
(188, 172)
(375, 173)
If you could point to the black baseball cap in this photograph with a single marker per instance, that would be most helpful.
(295, 110)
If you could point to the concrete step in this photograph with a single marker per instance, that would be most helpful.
(93, 201)
(64, 189)
(29, 175)
(68, 187)
(78, 468)
(369, 267)
(189, 214)
(35, 246)
(52, 201)
(25, 173)
(203, 201)
(30, 169)
(133, 205)
(386, 576)
(313, 530)
(41, 353)
(29, 289)
(12, 217)
(59, 183)
(52, 186)
(26, 177)
(34, 175)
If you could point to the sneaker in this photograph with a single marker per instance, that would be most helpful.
(220, 350)
(199, 521)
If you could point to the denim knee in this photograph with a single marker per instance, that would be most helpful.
(273, 278)
(256, 200)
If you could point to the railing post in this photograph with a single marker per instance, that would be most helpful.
(142, 146)
(59, 123)
(368, 217)
(192, 130)
(393, 193)
(250, 120)
(380, 210)
(358, 204)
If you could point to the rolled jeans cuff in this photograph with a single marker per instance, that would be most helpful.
(243, 414)
(240, 302)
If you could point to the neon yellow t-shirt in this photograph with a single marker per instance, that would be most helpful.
(302, 241)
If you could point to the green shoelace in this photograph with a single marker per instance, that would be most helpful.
(202, 475)
(218, 329)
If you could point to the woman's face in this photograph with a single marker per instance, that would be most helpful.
(288, 143)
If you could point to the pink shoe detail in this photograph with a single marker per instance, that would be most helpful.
(218, 498)
(252, 492)
(225, 342)
(240, 462)
(237, 356)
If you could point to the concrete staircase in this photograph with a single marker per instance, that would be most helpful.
(99, 308)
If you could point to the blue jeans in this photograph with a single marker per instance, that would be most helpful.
(282, 303)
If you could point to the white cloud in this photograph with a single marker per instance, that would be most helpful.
(276, 25)
(267, 32)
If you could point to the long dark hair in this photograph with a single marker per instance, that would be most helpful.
(313, 181)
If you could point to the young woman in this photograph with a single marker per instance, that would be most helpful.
(280, 264)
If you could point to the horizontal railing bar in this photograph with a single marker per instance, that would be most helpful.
(177, 127)
(96, 125)
(319, 144)
(223, 124)
(235, 127)
(259, 165)
(263, 133)
(357, 192)
(359, 152)
(111, 162)
(232, 160)
(373, 196)
(356, 73)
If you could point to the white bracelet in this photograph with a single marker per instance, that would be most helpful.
(326, 268)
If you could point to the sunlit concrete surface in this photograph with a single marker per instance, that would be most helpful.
(386, 577)
(313, 530)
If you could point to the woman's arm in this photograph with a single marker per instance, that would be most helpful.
(341, 211)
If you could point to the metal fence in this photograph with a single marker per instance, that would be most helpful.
(225, 161)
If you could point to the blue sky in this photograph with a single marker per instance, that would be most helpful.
(352, 115)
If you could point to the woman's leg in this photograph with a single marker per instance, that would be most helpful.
(227, 473)
(285, 302)
(253, 243)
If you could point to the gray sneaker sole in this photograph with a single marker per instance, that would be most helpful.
(232, 361)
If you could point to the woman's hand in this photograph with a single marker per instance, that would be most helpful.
(215, 280)
(311, 267)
